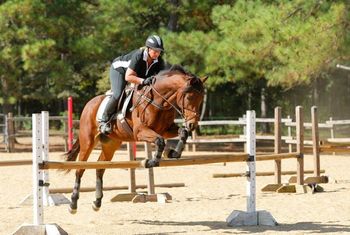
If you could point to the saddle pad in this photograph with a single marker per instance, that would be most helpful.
(102, 107)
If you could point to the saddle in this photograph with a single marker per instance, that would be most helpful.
(123, 108)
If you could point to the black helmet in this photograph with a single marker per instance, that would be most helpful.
(155, 42)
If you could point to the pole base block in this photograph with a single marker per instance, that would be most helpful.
(44, 229)
(242, 218)
(52, 200)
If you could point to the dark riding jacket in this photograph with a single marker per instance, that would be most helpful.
(137, 61)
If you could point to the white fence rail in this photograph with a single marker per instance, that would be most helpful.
(9, 129)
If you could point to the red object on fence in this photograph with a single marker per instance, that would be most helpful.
(70, 123)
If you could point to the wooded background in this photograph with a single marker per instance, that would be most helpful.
(257, 54)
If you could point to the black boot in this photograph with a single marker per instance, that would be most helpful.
(105, 124)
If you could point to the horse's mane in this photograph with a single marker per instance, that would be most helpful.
(176, 68)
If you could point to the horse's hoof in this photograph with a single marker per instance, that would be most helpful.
(144, 163)
(173, 154)
(147, 163)
(95, 208)
(72, 211)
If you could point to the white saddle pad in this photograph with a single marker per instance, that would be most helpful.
(102, 107)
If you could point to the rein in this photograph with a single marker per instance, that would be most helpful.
(151, 101)
(166, 100)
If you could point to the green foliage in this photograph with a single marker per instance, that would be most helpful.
(287, 43)
(50, 50)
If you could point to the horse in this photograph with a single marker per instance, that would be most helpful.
(154, 109)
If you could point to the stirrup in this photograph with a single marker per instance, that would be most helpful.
(105, 128)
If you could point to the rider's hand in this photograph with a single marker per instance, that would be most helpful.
(147, 81)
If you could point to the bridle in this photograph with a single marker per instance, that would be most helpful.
(180, 110)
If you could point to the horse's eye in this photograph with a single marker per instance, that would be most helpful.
(189, 97)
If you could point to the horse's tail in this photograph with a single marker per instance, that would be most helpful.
(72, 154)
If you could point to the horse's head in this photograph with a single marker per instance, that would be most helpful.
(189, 99)
(189, 90)
(182, 91)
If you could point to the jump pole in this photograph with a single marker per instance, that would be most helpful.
(251, 217)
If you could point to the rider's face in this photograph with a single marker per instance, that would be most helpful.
(154, 54)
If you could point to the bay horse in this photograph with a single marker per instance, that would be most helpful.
(151, 120)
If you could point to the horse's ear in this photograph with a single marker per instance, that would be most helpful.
(204, 79)
(193, 81)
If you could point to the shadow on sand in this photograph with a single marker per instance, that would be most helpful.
(302, 227)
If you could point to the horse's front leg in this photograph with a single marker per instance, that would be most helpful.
(159, 148)
(176, 153)
(148, 135)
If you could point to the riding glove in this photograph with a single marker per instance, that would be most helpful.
(147, 81)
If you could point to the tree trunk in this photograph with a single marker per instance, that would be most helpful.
(315, 93)
(263, 107)
(174, 16)
(6, 106)
(249, 99)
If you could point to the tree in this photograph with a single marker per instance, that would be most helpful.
(287, 43)
(45, 50)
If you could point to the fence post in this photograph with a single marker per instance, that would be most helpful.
(299, 118)
(332, 128)
(10, 133)
(290, 146)
(6, 140)
(315, 141)
(278, 142)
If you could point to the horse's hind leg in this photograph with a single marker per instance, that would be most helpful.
(85, 151)
(75, 195)
(107, 153)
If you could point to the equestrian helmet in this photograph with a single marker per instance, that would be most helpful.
(155, 42)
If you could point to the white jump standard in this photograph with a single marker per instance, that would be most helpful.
(251, 216)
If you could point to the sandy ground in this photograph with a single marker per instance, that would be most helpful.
(199, 208)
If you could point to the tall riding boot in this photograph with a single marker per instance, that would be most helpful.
(105, 124)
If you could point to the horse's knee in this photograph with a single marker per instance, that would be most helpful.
(160, 143)
(183, 134)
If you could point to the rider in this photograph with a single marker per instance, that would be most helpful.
(138, 67)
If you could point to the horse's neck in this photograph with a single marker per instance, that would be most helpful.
(168, 85)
